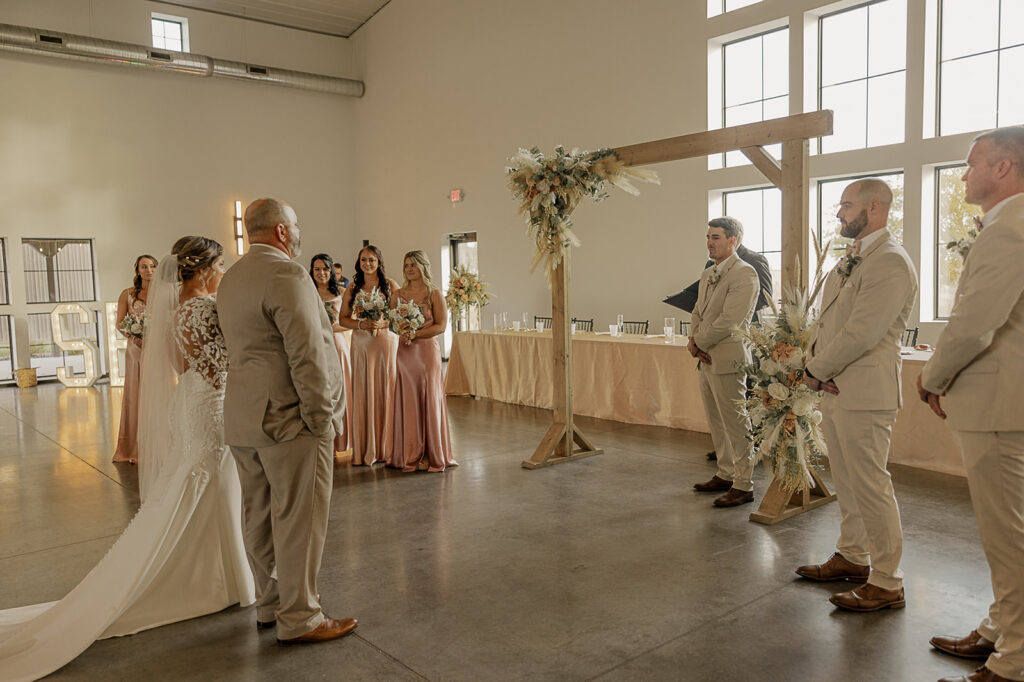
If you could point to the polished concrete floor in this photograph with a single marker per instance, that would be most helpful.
(607, 568)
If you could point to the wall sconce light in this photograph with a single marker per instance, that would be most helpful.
(239, 241)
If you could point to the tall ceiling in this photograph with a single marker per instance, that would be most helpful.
(333, 17)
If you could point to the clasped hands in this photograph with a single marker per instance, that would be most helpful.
(698, 353)
(818, 385)
(931, 398)
(373, 326)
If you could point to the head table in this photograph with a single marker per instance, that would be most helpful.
(644, 380)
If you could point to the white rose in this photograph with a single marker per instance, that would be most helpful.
(796, 360)
(803, 407)
(770, 367)
(778, 391)
(816, 417)
(757, 416)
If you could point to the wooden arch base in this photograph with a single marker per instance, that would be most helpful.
(779, 505)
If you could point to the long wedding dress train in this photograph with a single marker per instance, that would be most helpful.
(181, 556)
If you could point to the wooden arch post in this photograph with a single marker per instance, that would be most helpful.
(790, 176)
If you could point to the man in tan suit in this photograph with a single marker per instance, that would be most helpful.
(855, 359)
(979, 366)
(282, 406)
(725, 300)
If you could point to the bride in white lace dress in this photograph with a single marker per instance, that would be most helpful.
(182, 554)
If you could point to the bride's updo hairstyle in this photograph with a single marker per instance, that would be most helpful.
(194, 255)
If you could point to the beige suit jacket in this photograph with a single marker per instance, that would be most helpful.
(979, 357)
(857, 340)
(284, 376)
(722, 308)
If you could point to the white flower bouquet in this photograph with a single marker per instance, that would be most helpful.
(466, 291)
(332, 314)
(133, 326)
(406, 317)
(371, 305)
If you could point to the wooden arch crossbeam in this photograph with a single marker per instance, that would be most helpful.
(564, 441)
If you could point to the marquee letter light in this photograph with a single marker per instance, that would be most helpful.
(115, 343)
(87, 347)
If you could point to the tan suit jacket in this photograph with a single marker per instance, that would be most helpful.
(284, 376)
(722, 308)
(857, 341)
(979, 358)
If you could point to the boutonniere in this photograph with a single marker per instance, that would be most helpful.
(963, 246)
(714, 277)
(847, 264)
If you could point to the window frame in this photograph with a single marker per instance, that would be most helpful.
(850, 178)
(92, 270)
(5, 287)
(172, 19)
(8, 319)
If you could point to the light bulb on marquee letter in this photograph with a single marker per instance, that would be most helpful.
(87, 347)
(115, 342)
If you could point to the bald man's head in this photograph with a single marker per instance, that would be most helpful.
(263, 215)
(864, 208)
(869, 189)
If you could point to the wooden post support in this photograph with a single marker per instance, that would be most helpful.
(795, 218)
(778, 505)
(557, 445)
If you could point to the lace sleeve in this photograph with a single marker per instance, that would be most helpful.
(200, 340)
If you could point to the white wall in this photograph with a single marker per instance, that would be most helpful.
(136, 159)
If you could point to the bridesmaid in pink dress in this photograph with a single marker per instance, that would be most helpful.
(132, 300)
(373, 363)
(420, 437)
(321, 269)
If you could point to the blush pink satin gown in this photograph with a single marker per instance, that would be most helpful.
(128, 433)
(373, 394)
(343, 440)
(421, 416)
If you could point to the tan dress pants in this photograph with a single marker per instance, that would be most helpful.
(994, 461)
(870, 531)
(286, 495)
(729, 426)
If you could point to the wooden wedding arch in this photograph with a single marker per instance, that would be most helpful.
(564, 441)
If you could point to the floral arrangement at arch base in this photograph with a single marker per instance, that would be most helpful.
(466, 291)
(785, 422)
(550, 188)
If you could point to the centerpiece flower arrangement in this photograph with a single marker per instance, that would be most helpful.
(370, 305)
(406, 318)
(133, 326)
(549, 189)
(784, 416)
(466, 291)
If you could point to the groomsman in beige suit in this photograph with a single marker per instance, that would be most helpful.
(979, 366)
(282, 406)
(725, 300)
(855, 359)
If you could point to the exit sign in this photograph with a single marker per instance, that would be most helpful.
(455, 195)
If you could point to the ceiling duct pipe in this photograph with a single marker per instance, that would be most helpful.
(38, 41)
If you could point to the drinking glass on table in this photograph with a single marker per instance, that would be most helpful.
(618, 325)
(670, 330)
(515, 325)
(540, 325)
(526, 320)
(613, 329)
(495, 326)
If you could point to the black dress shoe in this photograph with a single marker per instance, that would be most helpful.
(713, 456)
(265, 625)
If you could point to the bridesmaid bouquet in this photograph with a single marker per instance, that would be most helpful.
(406, 318)
(371, 305)
(331, 314)
(132, 326)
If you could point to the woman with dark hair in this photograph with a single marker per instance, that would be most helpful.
(321, 269)
(132, 301)
(419, 438)
(373, 361)
(182, 554)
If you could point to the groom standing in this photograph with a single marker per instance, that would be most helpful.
(282, 406)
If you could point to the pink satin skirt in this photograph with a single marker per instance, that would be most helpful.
(343, 440)
(128, 433)
(420, 432)
(373, 394)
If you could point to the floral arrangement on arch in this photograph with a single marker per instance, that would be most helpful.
(466, 291)
(784, 416)
(550, 188)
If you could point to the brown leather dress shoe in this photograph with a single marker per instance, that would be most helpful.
(734, 498)
(836, 568)
(971, 646)
(869, 598)
(982, 674)
(326, 631)
(715, 485)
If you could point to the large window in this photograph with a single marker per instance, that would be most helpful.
(954, 217)
(755, 88)
(46, 356)
(716, 7)
(58, 270)
(862, 75)
(830, 193)
(981, 62)
(6, 349)
(760, 211)
(170, 33)
(5, 296)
